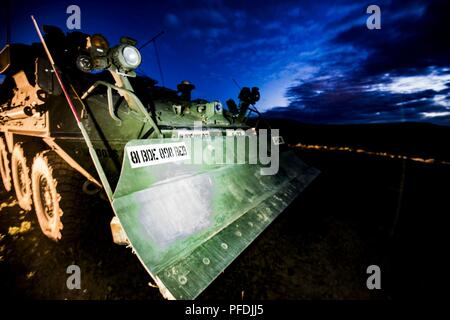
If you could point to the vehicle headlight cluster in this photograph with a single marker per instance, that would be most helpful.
(126, 57)
(99, 56)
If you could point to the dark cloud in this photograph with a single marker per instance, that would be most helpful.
(398, 73)
(414, 39)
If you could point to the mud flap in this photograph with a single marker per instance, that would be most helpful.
(188, 221)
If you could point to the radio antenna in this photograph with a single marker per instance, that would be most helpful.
(237, 84)
(158, 61)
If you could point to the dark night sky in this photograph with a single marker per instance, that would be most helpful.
(314, 60)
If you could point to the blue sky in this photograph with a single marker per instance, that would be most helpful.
(314, 61)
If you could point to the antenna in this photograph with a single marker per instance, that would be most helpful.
(158, 61)
(237, 84)
(151, 40)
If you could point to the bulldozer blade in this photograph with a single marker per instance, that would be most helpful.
(188, 221)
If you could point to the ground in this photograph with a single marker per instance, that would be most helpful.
(360, 211)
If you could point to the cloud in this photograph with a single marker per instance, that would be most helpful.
(416, 83)
(398, 73)
(172, 20)
(410, 37)
(343, 99)
(205, 17)
(439, 114)
(273, 25)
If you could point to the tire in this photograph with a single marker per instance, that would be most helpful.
(57, 197)
(21, 177)
(5, 170)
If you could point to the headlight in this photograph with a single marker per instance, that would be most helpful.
(126, 57)
(99, 42)
(132, 56)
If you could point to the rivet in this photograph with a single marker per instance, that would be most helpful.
(182, 280)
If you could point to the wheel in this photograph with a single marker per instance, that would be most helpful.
(57, 196)
(5, 170)
(21, 177)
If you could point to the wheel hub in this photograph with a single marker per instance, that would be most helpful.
(47, 198)
(22, 178)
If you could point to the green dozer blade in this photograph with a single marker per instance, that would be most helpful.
(187, 222)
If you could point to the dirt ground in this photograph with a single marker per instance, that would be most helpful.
(360, 211)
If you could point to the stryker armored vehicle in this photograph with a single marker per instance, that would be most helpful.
(76, 119)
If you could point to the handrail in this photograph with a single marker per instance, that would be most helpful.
(132, 100)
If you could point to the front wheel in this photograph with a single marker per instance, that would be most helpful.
(21, 177)
(57, 196)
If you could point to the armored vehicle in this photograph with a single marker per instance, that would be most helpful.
(190, 182)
